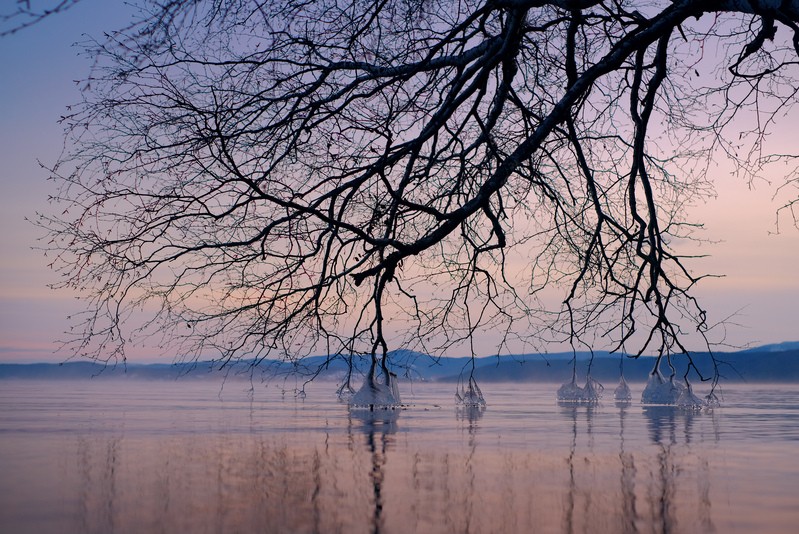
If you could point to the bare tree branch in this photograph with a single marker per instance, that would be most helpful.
(296, 177)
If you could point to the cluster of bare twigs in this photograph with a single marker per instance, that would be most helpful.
(271, 179)
(23, 15)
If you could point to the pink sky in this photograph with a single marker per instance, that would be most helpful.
(38, 67)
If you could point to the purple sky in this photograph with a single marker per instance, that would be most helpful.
(38, 67)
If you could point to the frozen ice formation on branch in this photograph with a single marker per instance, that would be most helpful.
(470, 396)
(661, 390)
(375, 394)
(622, 392)
(571, 392)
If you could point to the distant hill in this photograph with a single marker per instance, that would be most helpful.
(747, 366)
(775, 347)
(771, 363)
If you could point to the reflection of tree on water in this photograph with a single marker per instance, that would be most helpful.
(571, 411)
(606, 469)
(667, 424)
(377, 425)
(659, 488)
(569, 517)
(629, 515)
(471, 415)
(672, 430)
(664, 428)
(98, 488)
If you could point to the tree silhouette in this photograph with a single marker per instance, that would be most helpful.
(271, 179)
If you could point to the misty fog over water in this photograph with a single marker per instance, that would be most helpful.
(191, 456)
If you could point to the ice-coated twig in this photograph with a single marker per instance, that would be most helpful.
(622, 391)
(470, 395)
(376, 393)
(571, 392)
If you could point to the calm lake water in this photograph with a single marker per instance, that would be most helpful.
(133, 456)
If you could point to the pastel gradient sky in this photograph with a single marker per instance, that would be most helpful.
(38, 69)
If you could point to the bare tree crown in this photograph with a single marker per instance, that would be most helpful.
(275, 178)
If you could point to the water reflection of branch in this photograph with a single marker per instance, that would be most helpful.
(580, 502)
(102, 483)
(572, 482)
(379, 421)
(669, 428)
(629, 514)
(571, 410)
(703, 481)
(317, 486)
(471, 415)
(662, 494)
(377, 425)
(664, 424)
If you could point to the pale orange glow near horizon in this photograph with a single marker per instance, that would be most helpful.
(38, 66)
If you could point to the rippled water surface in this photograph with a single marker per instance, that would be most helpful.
(134, 456)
